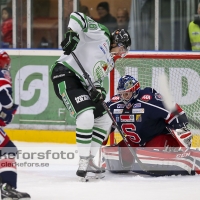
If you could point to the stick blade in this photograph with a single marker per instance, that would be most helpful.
(165, 92)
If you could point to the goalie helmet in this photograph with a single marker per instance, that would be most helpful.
(128, 88)
(4, 60)
(120, 37)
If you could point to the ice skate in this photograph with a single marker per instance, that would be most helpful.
(83, 165)
(9, 193)
(93, 171)
(92, 167)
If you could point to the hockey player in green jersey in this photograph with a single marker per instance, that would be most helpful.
(94, 46)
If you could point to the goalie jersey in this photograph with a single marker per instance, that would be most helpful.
(95, 42)
(145, 117)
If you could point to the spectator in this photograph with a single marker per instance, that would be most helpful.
(105, 17)
(85, 10)
(122, 19)
(6, 27)
(192, 42)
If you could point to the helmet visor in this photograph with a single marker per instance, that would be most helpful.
(121, 50)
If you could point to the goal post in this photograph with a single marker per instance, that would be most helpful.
(183, 71)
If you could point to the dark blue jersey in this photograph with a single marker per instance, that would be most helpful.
(6, 99)
(145, 117)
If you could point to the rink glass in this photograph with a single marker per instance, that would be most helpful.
(153, 24)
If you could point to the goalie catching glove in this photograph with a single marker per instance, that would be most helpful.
(98, 95)
(183, 136)
(70, 42)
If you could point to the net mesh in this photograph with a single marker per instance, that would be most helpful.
(183, 71)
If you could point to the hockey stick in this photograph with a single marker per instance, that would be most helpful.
(142, 166)
(168, 99)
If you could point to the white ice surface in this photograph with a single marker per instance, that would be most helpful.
(59, 182)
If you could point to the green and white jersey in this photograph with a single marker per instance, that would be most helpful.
(93, 49)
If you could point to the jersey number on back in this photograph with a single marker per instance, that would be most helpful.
(128, 129)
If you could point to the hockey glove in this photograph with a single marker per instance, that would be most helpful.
(98, 95)
(70, 42)
(6, 115)
(183, 136)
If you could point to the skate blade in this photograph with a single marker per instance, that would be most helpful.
(26, 198)
(95, 175)
(83, 179)
(91, 177)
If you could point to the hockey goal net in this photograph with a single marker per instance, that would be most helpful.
(183, 70)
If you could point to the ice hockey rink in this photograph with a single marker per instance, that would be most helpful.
(59, 182)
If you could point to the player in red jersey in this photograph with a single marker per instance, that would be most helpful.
(8, 150)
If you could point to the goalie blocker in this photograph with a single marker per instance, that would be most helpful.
(169, 160)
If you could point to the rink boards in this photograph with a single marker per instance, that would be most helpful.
(41, 116)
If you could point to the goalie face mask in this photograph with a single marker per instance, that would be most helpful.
(120, 42)
(128, 88)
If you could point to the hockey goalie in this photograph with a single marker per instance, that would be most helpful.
(160, 139)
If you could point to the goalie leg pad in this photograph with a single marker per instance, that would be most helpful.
(170, 163)
(183, 136)
(118, 158)
(111, 157)
(195, 154)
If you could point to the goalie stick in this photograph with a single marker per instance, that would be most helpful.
(144, 167)
(168, 99)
